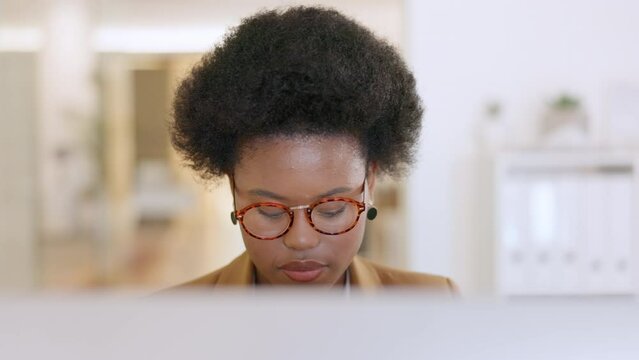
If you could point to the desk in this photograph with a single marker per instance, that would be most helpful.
(287, 325)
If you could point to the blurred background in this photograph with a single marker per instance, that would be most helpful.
(527, 180)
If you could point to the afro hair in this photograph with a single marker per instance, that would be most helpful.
(301, 70)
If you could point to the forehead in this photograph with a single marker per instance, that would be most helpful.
(300, 165)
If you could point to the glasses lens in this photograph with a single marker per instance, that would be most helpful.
(266, 221)
(334, 216)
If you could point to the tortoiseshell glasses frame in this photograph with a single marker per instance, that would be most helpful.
(360, 206)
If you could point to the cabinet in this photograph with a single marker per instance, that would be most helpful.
(566, 223)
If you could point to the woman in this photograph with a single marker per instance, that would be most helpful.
(302, 110)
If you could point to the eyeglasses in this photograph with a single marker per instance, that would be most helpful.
(329, 216)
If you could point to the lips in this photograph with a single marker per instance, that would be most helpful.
(303, 271)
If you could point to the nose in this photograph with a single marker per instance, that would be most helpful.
(301, 235)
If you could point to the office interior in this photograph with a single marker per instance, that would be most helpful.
(527, 175)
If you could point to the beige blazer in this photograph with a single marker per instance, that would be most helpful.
(364, 274)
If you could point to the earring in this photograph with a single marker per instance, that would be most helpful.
(371, 213)
(233, 218)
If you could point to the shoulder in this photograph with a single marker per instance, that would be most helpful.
(237, 273)
(209, 279)
(369, 271)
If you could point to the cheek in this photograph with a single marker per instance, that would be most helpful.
(262, 252)
(346, 246)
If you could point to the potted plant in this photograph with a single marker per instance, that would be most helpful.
(565, 123)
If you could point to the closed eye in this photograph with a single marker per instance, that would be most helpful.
(273, 214)
(334, 213)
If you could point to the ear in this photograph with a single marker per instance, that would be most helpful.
(232, 186)
(371, 176)
(231, 183)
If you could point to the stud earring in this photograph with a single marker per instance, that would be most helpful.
(371, 213)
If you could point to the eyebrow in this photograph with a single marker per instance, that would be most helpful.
(272, 195)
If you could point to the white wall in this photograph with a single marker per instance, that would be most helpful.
(521, 53)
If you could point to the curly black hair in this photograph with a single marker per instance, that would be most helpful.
(301, 70)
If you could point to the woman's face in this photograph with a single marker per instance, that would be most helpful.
(299, 171)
